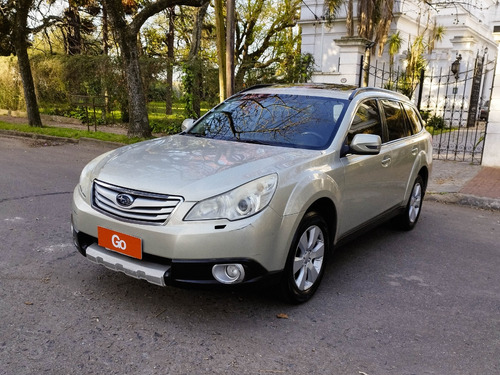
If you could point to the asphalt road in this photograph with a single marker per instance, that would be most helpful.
(423, 302)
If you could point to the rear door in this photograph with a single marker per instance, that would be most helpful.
(404, 148)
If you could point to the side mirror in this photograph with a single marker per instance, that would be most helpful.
(187, 124)
(366, 144)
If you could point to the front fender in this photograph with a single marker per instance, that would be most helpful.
(312, 187)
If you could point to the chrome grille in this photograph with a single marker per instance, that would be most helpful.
(146, 208)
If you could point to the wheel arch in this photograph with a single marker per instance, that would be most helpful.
(326, 208)
(420, 168)
(424, 173)
(316, 191)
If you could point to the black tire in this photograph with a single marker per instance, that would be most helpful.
(306, 260)
(409, 218)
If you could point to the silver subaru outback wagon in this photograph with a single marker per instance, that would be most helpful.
(259, 189)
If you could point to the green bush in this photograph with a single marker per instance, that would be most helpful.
(436, 122)
(425, 115)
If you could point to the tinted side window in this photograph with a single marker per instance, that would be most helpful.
(395, 119)
(415, 123)
(366, 120)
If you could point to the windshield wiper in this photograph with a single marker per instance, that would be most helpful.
(253, 141)
(197, 135)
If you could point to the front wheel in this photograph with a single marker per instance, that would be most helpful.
(408, 219)
(307, 258)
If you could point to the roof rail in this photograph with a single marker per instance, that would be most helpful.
(361, 90)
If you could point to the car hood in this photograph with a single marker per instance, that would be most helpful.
(195, 168)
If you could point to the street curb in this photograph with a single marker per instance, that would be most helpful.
(464, 200)
(17, 134)
(92, 141)
(35, 136)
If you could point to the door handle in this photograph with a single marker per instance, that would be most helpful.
(414, 151)
(386, 161)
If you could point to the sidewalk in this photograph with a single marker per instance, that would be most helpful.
(465, 184)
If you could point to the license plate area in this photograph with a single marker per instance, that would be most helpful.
(120, 242)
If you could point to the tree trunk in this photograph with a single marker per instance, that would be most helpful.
(105, 30)
(105, 51)
(194, 60)
(139, 123)
(74, 37)
(350, 18)
(21, 46)
(126, 34)
(221, 48)
(170, 61)
(230, 29)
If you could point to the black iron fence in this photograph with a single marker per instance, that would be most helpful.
(450, 100)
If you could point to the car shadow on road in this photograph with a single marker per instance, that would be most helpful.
(361, 256)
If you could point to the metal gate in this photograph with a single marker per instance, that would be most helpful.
(453, 102)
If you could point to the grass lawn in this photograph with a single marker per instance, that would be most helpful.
(69, 133)
(158, 120)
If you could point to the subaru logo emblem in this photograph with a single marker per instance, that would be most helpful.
(124, 200)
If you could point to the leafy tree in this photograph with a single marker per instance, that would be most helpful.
(6, 43)
(374, 21)
(160, 42)
(261, 28)
(394, 42)
(126, 30)
(76, 28)
(15, 18)
(416, 60)
(373, 17)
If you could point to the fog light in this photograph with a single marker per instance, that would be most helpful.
(228, 273)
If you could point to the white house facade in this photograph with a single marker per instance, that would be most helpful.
(451, 80)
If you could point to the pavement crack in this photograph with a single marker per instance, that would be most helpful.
(34, 196)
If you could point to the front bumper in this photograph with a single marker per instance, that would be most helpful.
(181, 253)
(165, 272)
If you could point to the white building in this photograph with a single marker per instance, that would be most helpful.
(450, 93)
(468, 31)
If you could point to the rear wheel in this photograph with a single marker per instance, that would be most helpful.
(307, 258)
(408, 219)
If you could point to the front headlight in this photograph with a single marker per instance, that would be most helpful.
(85, 182)
(242, 202)
(87, 175)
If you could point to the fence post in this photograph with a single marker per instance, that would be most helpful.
(360, 81)
(421, 89)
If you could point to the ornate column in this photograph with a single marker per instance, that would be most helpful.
(350, 51)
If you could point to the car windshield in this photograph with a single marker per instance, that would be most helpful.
(274, 119)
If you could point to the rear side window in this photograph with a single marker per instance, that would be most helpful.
(366, 120)
(395, 119)
(414, 119)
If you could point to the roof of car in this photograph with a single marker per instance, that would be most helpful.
(321, 89)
